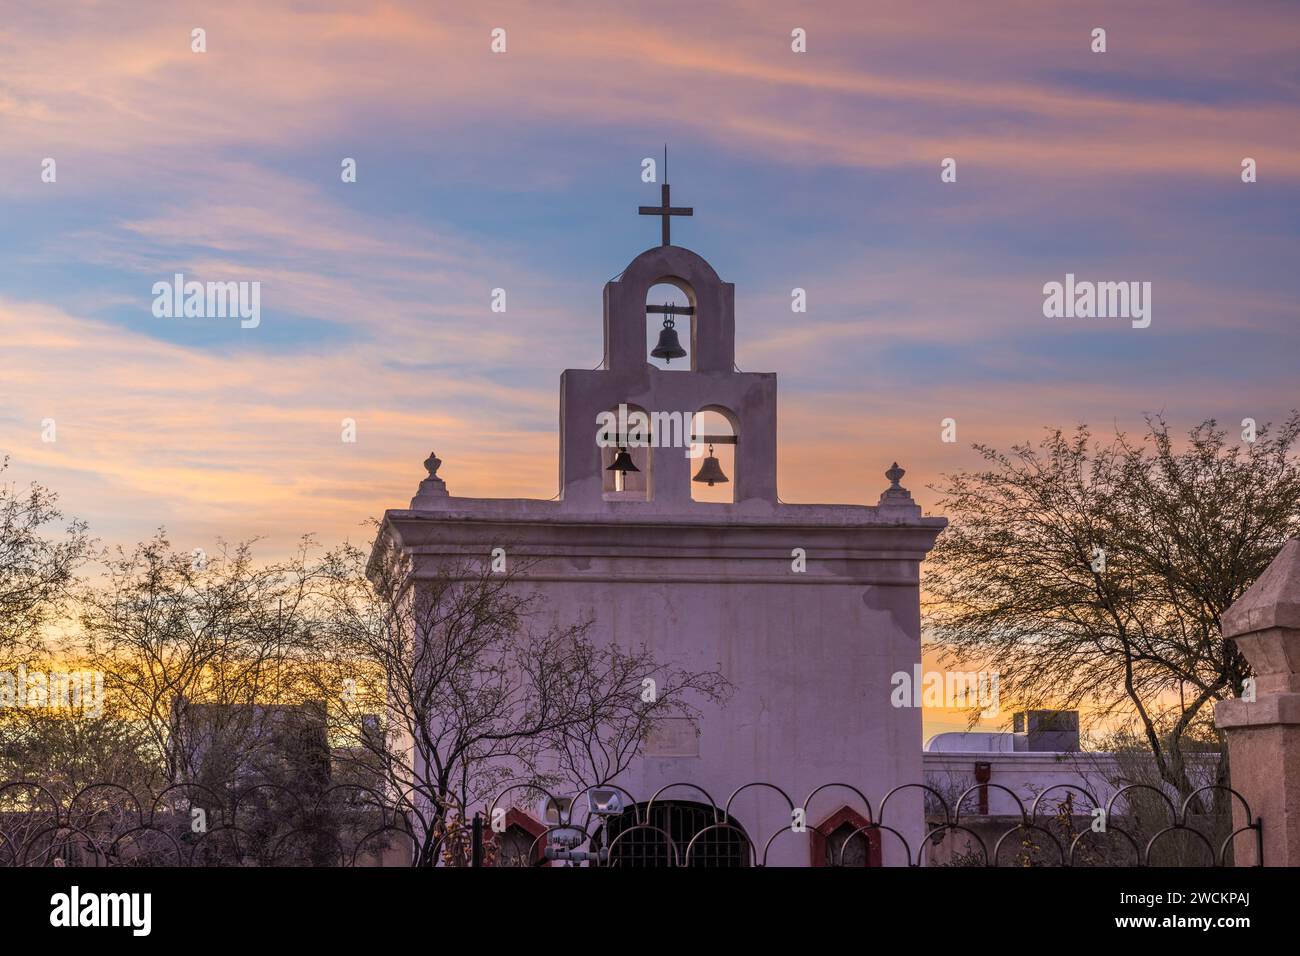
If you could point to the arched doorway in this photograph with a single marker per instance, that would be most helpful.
(641, 836)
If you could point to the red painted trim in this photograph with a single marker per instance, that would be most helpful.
(822, 832)
(517, 818)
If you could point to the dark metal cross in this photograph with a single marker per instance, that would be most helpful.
(666, 210)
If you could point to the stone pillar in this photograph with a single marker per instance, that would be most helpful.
(1264, 733)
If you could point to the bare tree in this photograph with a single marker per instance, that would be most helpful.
(428, 694)
(1096, 574)
(37, 566)
(618, 698)
(66, 751)
(171, 630)
(448, 690)
(1150, 806)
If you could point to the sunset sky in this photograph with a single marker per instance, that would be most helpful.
(522, 171)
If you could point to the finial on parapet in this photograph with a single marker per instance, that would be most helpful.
(896, 496)
(432, 487)
(433, 463)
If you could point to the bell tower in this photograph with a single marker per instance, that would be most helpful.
(665, 456)
(806, 609)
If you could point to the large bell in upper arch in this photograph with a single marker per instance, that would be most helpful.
(669, 347)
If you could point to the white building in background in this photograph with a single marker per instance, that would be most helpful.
(1041, 755)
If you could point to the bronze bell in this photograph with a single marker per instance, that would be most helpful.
(669, 347)
(623, 462)
(710, 471)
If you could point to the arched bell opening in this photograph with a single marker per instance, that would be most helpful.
(670, 325)
(713, 455)
(624, 440)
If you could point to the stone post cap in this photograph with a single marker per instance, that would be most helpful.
(1273, 601)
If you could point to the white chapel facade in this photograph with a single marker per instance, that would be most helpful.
(709, 585)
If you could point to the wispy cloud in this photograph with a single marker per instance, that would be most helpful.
(521, 171)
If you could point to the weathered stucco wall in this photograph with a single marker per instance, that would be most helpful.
(809, 654)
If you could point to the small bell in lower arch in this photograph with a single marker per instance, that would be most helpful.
(669, 347)
(623, 462)
(711, 471)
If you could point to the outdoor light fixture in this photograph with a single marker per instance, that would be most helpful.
(605, 801)
(557, 814)
(555, 811)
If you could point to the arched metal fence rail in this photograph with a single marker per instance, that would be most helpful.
(187, 824)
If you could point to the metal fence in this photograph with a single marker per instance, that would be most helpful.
(106, 824)
(1064, 825)
(187, 824)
